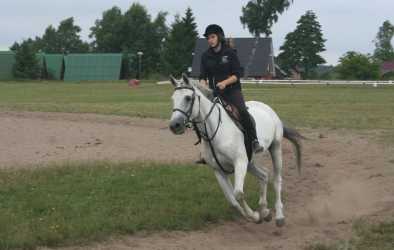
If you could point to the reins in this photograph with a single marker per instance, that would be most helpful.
(203, 134)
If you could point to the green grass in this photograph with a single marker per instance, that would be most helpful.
(78, 203)
(355, 107)
(366, 237)
(149, 100)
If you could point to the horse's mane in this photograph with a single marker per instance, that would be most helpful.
(207, 92)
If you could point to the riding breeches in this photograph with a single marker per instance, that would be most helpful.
(236, 98)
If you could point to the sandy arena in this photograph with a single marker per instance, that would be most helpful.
(346, 175)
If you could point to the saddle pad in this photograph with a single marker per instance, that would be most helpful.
(233, 112)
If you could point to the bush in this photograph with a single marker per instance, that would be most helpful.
(356, 66)
(388, 76)
(26, 62)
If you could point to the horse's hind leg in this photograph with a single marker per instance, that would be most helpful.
(276, 154)
(262, 176)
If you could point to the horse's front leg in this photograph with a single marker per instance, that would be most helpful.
(240, 170)
(228, 191)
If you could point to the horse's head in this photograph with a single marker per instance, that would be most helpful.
(184, 100)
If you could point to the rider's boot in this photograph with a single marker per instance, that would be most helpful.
(201, 161)
(250, 128)
(257, 148)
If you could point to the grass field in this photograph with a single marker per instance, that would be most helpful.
(355, 107)
(75, 204)
(367, 236)
(62, 205)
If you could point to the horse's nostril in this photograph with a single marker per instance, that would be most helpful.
(175, 126)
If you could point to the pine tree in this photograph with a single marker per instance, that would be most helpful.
(301, 48)
(190, 29)
(180, 44)
(26, 63)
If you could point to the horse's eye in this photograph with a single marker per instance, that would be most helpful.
(188, 98)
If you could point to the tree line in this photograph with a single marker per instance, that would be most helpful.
(165, 49)
(355, 65)
(301, 50)
(168, 49)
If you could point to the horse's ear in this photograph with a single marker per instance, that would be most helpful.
(185, 79)
(173, 81)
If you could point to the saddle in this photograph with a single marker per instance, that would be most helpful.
(234, 114)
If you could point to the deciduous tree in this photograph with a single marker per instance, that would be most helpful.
(260, 15)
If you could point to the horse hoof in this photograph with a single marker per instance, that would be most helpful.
(259, 221)
(280, 222)
(268, 218)
(239, 196)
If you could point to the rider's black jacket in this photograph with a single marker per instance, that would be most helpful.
(218, 66)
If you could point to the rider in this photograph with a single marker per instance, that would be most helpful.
(221, 70)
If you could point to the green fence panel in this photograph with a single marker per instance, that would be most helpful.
(92, 67)
(40, 59)
(7, 61)
(54, 66)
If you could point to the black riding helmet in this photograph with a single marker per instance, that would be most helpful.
(215, 29)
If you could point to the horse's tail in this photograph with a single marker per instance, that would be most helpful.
(295, 138)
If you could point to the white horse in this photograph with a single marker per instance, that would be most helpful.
(224, 148)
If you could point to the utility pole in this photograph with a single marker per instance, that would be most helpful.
(140, 54)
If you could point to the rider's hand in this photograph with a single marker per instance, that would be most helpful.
(204, 82)
(221, 85)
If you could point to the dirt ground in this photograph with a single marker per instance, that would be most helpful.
(346, 176)
(34, 138)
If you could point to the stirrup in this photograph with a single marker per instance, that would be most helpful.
(257, 148)
(201, 161)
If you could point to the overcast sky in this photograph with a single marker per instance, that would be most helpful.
(347, 24)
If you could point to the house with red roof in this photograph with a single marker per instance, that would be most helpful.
(387, 68)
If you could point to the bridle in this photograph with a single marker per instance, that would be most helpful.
(189, 112)
(193, 123)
